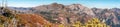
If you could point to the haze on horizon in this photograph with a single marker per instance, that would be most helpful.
(87, 3)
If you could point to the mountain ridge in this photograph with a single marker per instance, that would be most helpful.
(67, 14)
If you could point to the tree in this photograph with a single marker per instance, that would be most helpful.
(77, 24)
(60, 25)
(95, 22)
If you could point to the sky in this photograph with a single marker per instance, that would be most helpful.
(87, 3)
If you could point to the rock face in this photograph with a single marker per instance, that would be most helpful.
(110, 16)
(77, 8)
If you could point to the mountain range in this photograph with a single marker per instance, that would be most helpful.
(67, 14)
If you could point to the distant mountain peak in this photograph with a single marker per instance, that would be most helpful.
(54, 3)
(77, 4)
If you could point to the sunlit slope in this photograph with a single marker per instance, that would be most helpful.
(33, 19)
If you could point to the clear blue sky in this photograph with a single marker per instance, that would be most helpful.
(87, 3)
